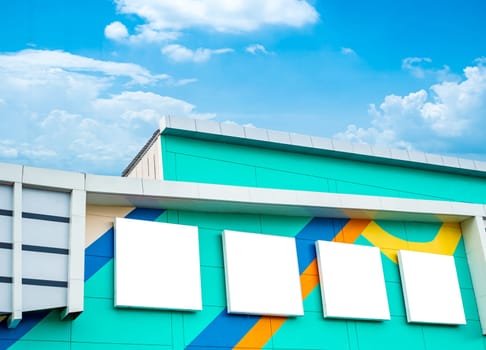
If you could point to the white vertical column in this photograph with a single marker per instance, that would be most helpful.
(16, 315)
(75, 292)
(473, 232)
(159, 169)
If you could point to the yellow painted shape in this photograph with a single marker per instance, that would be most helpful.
(445, 242)
(100, 219)
(2, 318)
(267, 326)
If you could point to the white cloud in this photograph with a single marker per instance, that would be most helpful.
(116, 31)
(420, 67)
(257, 48)
(7, 150)
(415, 65)
(480, 60)
(38, 151)
(57, 116)
(41, 62)
(247, 125)
(11, 150)
(165, 19)
(348, 51)
(183, 82)
(73, 113)
(447, 118)
(179, 53)
(144, 33)
(145, 107)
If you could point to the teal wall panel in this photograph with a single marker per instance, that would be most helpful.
(187, 159)
(395, 298)
(283, 225)
(313, 302)
(101, 284)
(396, 334)
(212, 278)
(395, 228)
(28, 345)
(460, 250)
(210, 247)
(177, 326)
(50, 329)
(311, 332)
(105, 346)
(271, 178)
(102, 323)
(196, 169)
(453, 337)
(217, 221)
(421, 232)
(470, 306)
(463, 273)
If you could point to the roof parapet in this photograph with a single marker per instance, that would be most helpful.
(233, 133)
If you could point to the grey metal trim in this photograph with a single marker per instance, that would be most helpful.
(44, 283)
(50, 250)
(4, 212)
(45, 217)
(141, 153)
(4, 245)
(204, 129)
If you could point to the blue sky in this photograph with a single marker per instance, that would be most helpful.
(83, 84)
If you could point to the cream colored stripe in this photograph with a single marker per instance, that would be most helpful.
(99, 219)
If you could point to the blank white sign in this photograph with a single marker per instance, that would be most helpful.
(262, 274)
(430, 288)
(157, 265)
(352, 281)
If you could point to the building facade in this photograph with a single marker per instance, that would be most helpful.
(225, 237)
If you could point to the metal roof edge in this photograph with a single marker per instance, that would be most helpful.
(227, 132)
(141, 153)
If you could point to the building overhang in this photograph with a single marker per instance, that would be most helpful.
(176, 195)
(117, 191)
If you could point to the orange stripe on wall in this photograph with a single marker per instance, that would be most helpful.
(267, 326)
(351, 231)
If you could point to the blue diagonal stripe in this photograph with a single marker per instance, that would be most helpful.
(322, 229)
(226, 330)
